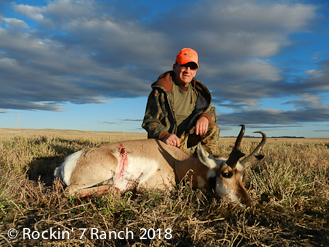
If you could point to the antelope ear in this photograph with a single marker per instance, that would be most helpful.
(205, 158)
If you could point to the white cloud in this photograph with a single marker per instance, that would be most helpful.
(32, 12)
(13, 23)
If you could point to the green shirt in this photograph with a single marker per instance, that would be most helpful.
(184, 104)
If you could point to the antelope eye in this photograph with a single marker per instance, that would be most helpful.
(227, 174)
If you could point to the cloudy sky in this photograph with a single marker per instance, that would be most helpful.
(89, 64)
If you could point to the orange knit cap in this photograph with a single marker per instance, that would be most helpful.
(187, 55)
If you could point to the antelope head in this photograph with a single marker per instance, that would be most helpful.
(225, 174)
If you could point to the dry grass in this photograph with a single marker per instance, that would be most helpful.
(290, 189)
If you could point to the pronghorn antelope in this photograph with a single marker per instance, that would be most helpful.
(152, 164)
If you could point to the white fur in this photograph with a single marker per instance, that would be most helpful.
(139, 169)
(65, 170)
(225, 192)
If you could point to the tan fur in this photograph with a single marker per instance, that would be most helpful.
(94, 166)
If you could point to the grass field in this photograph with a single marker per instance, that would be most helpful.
(290, 190)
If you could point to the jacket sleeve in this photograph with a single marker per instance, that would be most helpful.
(156, 116)
(210, 114)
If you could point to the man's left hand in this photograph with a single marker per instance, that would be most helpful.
(201, 126)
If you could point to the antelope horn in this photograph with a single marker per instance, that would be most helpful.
(253, 156)
(236, 153)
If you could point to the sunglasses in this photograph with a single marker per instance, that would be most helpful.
(192, 66)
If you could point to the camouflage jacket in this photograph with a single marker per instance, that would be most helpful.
(159, 120)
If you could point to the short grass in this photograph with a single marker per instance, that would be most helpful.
(290, 190)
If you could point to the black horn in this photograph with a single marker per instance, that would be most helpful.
(254, 155)
(236, 153)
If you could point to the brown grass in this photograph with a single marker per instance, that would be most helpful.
(290, 190)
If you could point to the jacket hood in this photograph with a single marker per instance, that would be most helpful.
(164, 81)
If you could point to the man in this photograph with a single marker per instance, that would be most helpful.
(179, 110)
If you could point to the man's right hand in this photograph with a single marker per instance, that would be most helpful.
(172, 140)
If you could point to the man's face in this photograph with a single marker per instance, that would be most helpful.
(184, 73)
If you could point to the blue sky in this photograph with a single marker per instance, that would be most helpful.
(88, 65)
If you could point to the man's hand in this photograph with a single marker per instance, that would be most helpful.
(172, 140)
(201, 126)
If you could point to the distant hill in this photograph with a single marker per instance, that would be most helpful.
(275, 137)
(287, 137)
